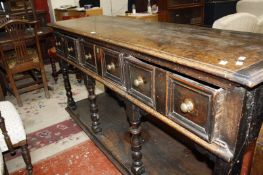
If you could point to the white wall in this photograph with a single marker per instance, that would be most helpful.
(110, 7)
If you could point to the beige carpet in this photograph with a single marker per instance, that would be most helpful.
(46, 122)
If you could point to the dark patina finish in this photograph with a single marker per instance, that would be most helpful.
(203, 83)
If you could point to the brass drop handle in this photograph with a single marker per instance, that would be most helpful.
(70, 49)
(88, 56)
(111, 66)
(187, 106)
(138, 81)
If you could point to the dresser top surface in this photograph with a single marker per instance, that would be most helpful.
(235, 56)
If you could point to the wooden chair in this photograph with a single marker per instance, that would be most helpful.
(13, 133)
(25, 56)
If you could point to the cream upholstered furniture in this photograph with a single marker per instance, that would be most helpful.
(243, 22)
(259, 28)
(254, 7)
(249, 17)
(13, 133)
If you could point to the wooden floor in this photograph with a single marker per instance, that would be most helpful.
(162, 153)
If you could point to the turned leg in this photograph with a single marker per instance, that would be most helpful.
(90, 85)
(134, 116)
(78, 75)
(71, 103)
(54, 68)
(27, 159)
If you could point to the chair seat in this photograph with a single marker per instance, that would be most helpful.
(12, 60)
(13, 123)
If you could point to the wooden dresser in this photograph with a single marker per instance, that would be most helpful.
(205, 84)
(59, 13)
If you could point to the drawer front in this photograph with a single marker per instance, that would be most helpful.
(191, 105)
(140, 80)
(88, 58)
(60, 43)
(71, 48)
(112, 65)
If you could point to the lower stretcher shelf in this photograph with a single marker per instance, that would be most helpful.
(161, 150)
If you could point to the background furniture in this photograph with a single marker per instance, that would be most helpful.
(215, 9)
(59, 13)
(140, 5)
(23, 56)
(210, 92)
(25, 9)
(249, 17)
(243, 22)
(13, 133)
(20, 8)
(142, 16)
(254, 7)
(182, 11)
(42, 5)
(94, 3)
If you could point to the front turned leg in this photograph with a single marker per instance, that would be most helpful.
(134, 116)
(71, 103)
(90, 85)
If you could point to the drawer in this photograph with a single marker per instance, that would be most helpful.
(71, 48)
(140, 80)
(88, 58)
(191, 104)
(112, 66)
(60, 44)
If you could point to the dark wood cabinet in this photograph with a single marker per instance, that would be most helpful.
(182, 11)
(187, 79)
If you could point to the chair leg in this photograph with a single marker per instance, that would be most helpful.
(14, 88)
(5, 168)
(6, 136)
(44, 80)
(27, 159)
